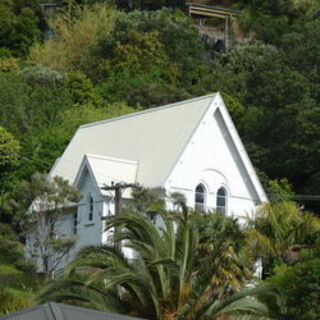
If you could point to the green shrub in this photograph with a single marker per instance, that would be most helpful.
(299, 291)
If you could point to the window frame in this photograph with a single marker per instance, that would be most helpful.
(222, 208)
(90, 208)
(75, 222)
(200, 206)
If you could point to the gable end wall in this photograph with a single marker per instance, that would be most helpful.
(89, 232)
(212, 159)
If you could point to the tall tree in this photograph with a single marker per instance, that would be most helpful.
(76, 48)
(9, 157)
(277, 99)
(41, 208)
(19, 26)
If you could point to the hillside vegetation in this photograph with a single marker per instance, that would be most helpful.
(88, 60)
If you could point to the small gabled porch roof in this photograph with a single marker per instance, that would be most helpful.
(107, 170)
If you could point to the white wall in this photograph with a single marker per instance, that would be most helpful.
(89, 232)
(108, 210)
(63, 228)
(93, 232)
(211, 158)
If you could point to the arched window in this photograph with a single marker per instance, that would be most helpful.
(75, 223)
(222, 200)
(200, 197)
(90, 208)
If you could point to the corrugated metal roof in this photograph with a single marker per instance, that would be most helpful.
(59, 311)
(154, 137)
(106, 170)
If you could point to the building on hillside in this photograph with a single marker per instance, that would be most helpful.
(191, 147)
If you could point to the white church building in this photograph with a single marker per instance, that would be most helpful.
(191, 147)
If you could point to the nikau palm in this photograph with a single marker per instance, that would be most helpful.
(171, 277)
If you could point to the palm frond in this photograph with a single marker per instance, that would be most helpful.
(174, 274)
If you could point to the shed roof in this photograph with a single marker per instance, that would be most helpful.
(59, 311)
(154, 137)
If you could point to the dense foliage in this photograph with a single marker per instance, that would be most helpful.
(17, 279)
(277, 229)
(105, 59)
(298, 288)
(19, 26)
(9, 156)
(39, 210)
(101, 60)
(171, 275)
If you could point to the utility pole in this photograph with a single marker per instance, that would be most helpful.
(117, 188)
(227, 31)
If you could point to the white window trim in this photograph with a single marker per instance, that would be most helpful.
(90, 210)
(205, 195)
(225, 211)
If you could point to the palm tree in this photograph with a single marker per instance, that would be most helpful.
(171, 277)
(277, 227)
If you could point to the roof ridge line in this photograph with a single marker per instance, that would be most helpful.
(115, 159)
(55, 311)
(170, 105)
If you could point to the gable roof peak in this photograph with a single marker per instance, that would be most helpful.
(153, 137)
(150, 110)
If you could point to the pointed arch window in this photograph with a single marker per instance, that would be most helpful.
(75, 223)
(222, 200)
(200, 197)
(90, 208)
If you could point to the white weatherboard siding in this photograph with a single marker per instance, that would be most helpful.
(214, 158)
(94, 173)
(89, 232)
(174, 147)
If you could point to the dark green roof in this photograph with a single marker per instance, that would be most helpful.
(58, 311)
